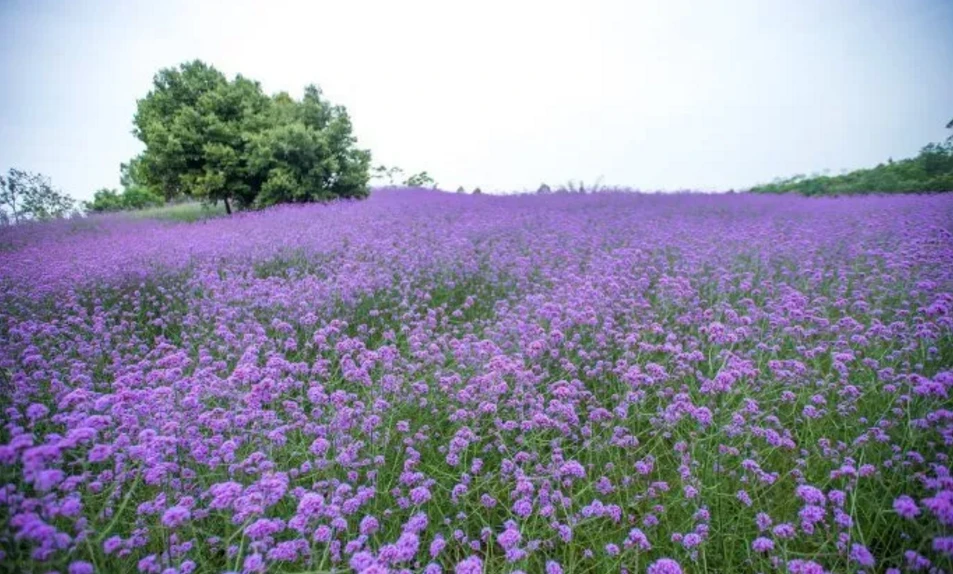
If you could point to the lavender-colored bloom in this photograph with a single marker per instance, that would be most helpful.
(862, 556)
(471, 565)
(805, 567)
(744, 497)
(437, 546)
(784, 531)
(420, 495)
(523, 507)
(407, 546)
(361, 561)
(176, 516)
(811, 495)
(944, 545)
(906, 507)
(254, 563)
(111, 544)
(509, 538)
(664, 566)
(369, 525)
(573, 469)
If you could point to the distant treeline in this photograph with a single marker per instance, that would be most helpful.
(929, 172)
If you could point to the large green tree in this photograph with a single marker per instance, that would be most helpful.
(220, 140)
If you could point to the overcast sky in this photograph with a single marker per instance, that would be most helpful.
(505, 94)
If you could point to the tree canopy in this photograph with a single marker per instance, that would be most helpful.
(216, 139)
(930, 171)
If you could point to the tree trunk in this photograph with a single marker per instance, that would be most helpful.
(228, 207)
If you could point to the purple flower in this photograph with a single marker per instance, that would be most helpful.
(906, 507)
(48, 479)
(784, 531)
(573, 469)
(471, 565)
(263, 528)
(805, 567)
(437, 546)
(361, 561)
(254, 563)
(860, 555)
(420, 495)
(664, 566)
(743, 496)
(943, 544)
(310, 504)
(523, 507)
(762, 544)
(224, 494)
(369, 525)
(407, 546)
(176, 516)
(691, 540)
(111, 544)
(509, 538)
(811, 495)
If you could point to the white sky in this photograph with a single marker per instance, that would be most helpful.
(505, 94)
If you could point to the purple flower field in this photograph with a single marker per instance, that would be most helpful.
(428, 382)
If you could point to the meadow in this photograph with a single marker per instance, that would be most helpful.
(430, 382)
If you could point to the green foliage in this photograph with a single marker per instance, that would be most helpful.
(134, 195)
(572, 186)
(421, 179)
(390, 175)
(189, 211)
(227, 141)
(308, 153)
(139, 197)
(31, 196)
(132, 198)
(930, 171)
(105, 200)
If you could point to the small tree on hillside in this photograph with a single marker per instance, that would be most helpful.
(105, 200)
(389, 174)
(421, 179)
(31, 196)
